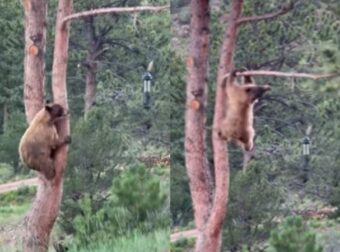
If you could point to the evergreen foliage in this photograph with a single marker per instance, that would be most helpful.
(293, 236)
(136, 200)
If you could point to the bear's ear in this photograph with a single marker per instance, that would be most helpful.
(250, 90)
(48, 108)
(248, 80)
(256, 92)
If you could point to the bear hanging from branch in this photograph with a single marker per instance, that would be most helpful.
(239, 119)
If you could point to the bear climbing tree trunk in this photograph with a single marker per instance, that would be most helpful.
(40, 220)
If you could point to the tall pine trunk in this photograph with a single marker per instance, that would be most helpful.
(40, 220)
(211, 239)
(195, 117)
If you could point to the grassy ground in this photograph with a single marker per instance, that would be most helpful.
(13, 207)
(12, 214)
(154, 242)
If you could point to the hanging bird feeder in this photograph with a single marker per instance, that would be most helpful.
(306, 146)
(147, 85)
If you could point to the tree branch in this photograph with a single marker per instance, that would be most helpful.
(284, 9)
(104, 11)
(282, 74)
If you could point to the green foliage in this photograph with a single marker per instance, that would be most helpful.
(13, 213)
(182, 245)
(6, 172)
(139, 192)
(14, 205)
(254, 202)
(293, 235)
(11, 46)
(181, 211)
(23, 194)
(137, 200)
(9, 140)
(157, 241)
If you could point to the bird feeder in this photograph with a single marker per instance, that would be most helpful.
(147, 84)
(305, 146)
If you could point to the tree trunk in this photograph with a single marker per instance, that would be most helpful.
(39, 222)
(5, 118)
(91, 66)
(90, 88)
(195, 117)
(34, 62)
(211, 238)
(59, 87)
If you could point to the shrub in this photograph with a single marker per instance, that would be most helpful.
(253, 204)
(292, 236)
(137, 202)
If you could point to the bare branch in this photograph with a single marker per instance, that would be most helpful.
(104, 11)
(284, 9)
(282, 74)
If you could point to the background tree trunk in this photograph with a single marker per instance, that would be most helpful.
(39, 222)
(211, 237)
(195, 117)
(5, 117)
(90, 64)
(90, 87)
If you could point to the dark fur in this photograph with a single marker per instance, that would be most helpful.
(41, 139)
(238, 122)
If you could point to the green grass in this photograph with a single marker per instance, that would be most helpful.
(13, 207)
(10, 214)
(15, 204)
(183, 245)
(154, 242)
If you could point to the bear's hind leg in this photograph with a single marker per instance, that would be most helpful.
(46, 167)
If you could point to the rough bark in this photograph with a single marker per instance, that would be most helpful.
(39, 222)
(195, 117)
(59, 87)
(34, 62)
(210, 238)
